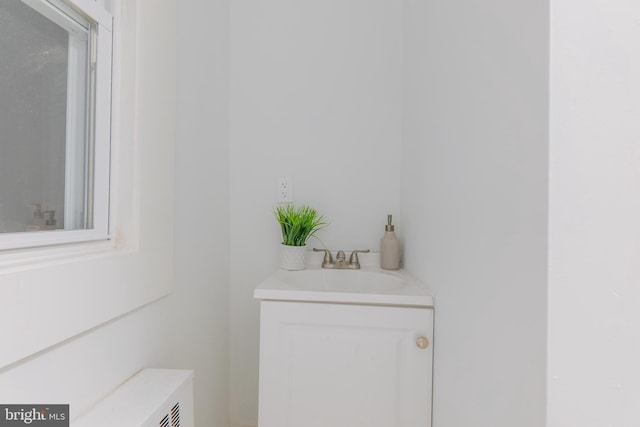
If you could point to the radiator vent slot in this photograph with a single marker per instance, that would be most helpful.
(175, 415)
(172, 419)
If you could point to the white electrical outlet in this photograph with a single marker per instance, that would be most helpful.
(285, 189)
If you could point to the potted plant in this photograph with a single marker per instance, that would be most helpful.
(297, 225)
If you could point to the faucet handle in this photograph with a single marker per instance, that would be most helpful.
(354, 262)
(328, 259)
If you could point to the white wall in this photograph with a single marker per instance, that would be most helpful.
(594, 214)
(189, 328)
(475, 201)
(75, 294)
(200, 302)
(316, 91)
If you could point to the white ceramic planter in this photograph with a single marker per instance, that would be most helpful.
(292, 257)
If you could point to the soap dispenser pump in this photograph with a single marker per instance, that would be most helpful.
(389, 247)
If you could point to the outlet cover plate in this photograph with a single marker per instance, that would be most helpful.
(285, 189)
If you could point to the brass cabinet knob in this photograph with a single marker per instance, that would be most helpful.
(422, 343)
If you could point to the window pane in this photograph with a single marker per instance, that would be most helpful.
(44, 137)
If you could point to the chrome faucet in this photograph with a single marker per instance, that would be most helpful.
(341, 259)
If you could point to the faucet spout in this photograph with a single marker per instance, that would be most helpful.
(341, 260)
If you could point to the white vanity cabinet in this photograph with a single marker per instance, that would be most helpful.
(326, 364)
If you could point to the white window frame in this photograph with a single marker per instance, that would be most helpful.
(99, 176)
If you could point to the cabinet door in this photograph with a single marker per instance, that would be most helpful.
(332, 365)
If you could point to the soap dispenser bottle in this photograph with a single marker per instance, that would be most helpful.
(389, 248)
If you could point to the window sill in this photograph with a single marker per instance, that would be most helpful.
(18, 260)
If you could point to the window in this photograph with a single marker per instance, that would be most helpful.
(55, 90)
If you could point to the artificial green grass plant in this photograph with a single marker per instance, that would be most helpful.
(298, 223)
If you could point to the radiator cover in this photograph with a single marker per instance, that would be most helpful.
(151, 398)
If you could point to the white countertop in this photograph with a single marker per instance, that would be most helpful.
(370, 286)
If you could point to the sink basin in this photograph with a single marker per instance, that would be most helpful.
(344, 280)
(372, 286)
